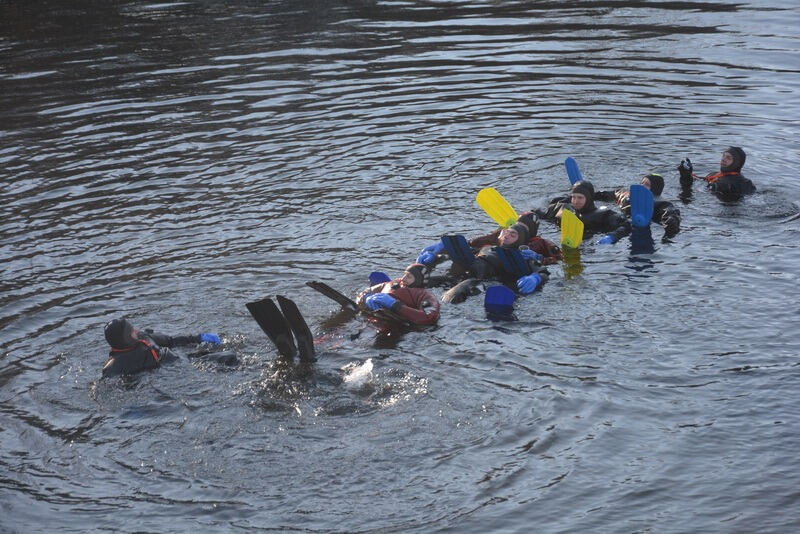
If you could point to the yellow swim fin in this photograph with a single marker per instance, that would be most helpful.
(571, 229)
(496, 207)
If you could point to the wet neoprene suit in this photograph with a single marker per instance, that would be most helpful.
(595, 220)
(149, 351)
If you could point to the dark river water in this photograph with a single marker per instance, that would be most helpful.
(173, 161)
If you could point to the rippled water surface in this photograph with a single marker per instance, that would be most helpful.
(173, 161)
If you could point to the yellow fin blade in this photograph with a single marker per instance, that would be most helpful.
(571, 229)
(496, 207)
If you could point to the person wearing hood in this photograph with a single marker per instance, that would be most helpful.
(664, 212)
(406, 297)
(545, 250)
(487, 265)
(134, 350)
(548, 252)
(595, 219)
(728, 184)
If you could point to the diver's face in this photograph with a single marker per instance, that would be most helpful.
(727, 159)
(646, 182)
(408, 279)
(577, 200)
(508, 236)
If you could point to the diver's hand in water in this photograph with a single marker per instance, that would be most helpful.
(685, 168)
(379, 300)
(607, 240)
(429, 253)
(528, 254)
(210, 338)
(528, 284)
(671, 224)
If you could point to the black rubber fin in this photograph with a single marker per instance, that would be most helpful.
(274, 324)
(331, 293)
(305, 340)
(461, 291)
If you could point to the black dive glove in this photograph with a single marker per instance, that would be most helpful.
(685, 168)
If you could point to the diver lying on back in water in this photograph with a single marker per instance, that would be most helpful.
(134, 350)
(595, 220)
(547, 252)
(664, 212)
(520, 269)
(406, 297)
(728, 184)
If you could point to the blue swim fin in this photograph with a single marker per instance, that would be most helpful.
(642, 241)
(513, 262)
(378, 277)
(499, 300)
(641, 205)
(458, 250)
(573, 172)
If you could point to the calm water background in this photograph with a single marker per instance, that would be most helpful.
(173, 161)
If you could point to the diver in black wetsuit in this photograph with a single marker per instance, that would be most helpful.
(133, 350)
(728, 184)
(595, 220)
(664, 212)
(511, 262)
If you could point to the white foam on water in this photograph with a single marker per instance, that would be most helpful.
(356, 376)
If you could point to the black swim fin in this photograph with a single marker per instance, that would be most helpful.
(305, 340)
(331, 293)
(461, 291)
(274, 324)
(350, 305)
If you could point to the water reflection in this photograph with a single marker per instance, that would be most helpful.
(176, 160)
(572, 263)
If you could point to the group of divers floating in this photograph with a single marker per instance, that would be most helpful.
(514, 256)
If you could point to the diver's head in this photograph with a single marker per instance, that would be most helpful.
(513, 236)
(582, 196)
(654, 182)
(531, 221)
(120, 333)
(732, 159)
(414, 275)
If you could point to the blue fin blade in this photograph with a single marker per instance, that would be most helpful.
(513, 262)
(573, 172)
(498, 299)
(458, 249)
(641, 205)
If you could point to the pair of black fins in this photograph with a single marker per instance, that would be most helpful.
(283, 326)
(460, 252)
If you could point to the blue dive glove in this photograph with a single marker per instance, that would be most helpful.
(429, 253)
(607, 240)
(210, 338)
(529, 254)
(377, 301)
(528, 284)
